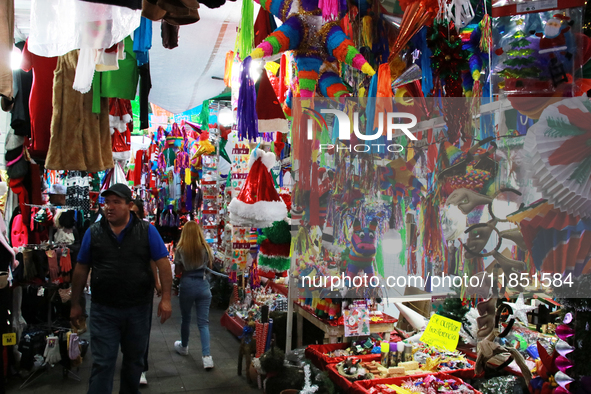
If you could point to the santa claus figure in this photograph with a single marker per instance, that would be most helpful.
(553, 39)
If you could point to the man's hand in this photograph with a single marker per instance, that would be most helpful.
(75, 315)
(158, 289)
(164, 310)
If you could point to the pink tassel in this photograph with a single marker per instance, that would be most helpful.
(330, 9)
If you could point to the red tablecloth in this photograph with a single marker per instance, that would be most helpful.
(234, 324)
(317, 354)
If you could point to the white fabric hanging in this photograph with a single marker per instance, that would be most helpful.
(60, 26)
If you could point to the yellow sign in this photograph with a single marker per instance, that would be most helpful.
(9, 339)
(442, 333)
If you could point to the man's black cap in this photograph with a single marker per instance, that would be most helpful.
(120, 190)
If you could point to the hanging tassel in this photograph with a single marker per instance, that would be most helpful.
(247, 116)
(427, 73)
(330, 9)
(228, 68)
(246, 34)
(367, 31)
(486, 38)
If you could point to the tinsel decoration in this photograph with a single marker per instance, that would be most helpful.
(417, 13)
(308, 387)
(246, 34)
(449, 58)
(247, 116)
(500, 385)
(486, 36)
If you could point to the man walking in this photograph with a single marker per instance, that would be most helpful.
(119, 248)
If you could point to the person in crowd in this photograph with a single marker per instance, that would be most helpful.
(138, 209)
(192, 256)
(118, 249)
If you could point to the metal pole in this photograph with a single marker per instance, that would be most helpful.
(290, 295)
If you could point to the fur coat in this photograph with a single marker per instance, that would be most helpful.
(80, 139)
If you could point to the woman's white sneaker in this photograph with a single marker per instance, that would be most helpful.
(183, 351)
(207, 362)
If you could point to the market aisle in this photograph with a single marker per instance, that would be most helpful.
(169, 372)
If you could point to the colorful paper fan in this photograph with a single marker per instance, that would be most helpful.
(560, 149)
(558, 242)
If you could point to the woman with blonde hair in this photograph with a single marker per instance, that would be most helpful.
(192, 256)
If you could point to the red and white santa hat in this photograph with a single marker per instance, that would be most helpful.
(258, 204)
(270, 115)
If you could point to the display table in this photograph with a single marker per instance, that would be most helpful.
(331, 332)
(277, 288)
(234, 324)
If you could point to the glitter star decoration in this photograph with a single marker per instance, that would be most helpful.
(520, 309)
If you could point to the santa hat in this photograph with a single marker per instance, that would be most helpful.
(270, 115)
(258, 204)
(263, 26)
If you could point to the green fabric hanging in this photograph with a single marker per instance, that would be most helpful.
(380, 259)
(246, 34)
(204, 116)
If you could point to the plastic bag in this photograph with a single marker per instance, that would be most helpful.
(538, 46)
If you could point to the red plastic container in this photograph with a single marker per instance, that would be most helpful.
(363, 386)
(317, 354)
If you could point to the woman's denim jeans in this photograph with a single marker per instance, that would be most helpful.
(194, 290)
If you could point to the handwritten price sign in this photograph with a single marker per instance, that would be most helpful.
(442, 333)
(9, 339)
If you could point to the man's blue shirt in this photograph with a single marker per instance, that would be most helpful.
(157, 248)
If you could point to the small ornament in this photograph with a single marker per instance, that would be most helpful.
(563, 348)
(520, 309)
(563, 379)
(563, 331)
(568, 318)
(563, 363)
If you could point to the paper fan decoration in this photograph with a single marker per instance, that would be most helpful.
(557, 241)
(560, 149)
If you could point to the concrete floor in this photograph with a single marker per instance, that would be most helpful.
(169, 372)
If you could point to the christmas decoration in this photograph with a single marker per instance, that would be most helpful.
(258, 204)
(520, 309)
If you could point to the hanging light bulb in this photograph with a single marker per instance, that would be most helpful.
(256, 69)
(225, 117)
